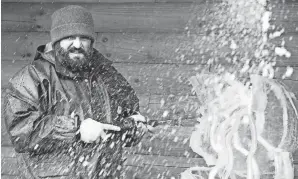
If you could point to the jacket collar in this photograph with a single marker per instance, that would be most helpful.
(47, 52)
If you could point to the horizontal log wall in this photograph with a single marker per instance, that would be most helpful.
(126, 17)
(140, 37)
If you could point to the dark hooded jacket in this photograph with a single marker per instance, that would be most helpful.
(43, 91)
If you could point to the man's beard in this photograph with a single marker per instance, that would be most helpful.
(76, 64)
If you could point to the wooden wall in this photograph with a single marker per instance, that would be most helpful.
(140, 37)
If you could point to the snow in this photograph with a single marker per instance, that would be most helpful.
(288, 72)
(276, 34)
(233, 45)
(240, 37)
(165, 114)
(36, 146)
(265, 21)
(281, 51)
(268, 71)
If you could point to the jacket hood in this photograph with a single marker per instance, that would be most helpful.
(47, 53)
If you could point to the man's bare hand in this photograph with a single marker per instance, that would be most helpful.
(92, 130)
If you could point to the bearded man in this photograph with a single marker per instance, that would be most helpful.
(69, 113)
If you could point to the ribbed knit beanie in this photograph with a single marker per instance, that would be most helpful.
(71, 20)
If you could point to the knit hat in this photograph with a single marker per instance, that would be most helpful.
(71, 20)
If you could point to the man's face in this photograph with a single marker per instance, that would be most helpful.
(74, 52)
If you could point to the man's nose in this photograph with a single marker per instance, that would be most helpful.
(77, 42)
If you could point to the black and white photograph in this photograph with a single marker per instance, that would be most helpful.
(149, 89)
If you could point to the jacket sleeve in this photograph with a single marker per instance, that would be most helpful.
(31, 126)
(126, 98)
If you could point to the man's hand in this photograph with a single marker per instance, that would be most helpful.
(143, 127)
(92, 130)
(135, 133)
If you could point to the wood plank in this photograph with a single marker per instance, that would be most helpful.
(152, 171)
(5, 140)
(9, 166)
(144, 100)
(7, 152)
(166, 141)
(158, 79)
(284, 15)
(9, 68)
(155, 48)
(285, 11)
(280, 71)
(104, 1)
(78, 1)
(147, 172)
(184, 1)
(174, 109)
(9, 163)
(135, 160)
(289, 40)
(10, 176)
(118, 1)
(133, 17)
(292, 61)
(22, 46)
(135, 165)
(292, 86)
(166, 161)
(163, 51)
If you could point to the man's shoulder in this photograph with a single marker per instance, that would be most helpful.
(33, 70)
(41, 64)
(99, 60)
(43, 59)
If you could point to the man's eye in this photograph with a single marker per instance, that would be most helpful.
(70, 38)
